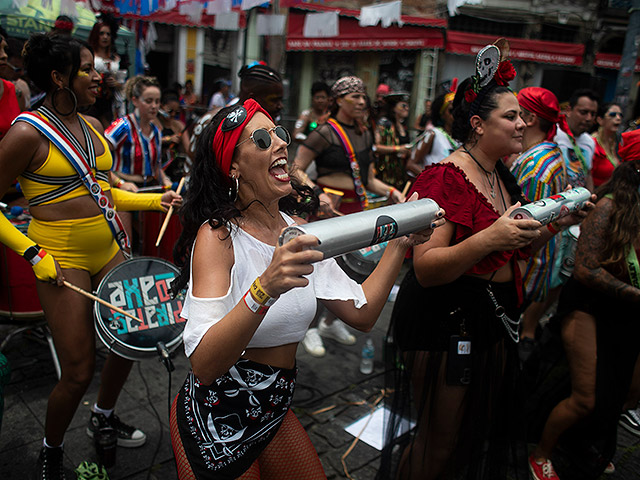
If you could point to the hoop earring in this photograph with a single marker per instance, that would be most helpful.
(73, 97)
(233, 189)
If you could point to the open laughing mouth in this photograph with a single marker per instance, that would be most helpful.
(278, 170)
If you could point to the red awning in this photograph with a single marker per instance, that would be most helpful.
(520, 49)
(354, 37)
(612, 60)
(173, 17)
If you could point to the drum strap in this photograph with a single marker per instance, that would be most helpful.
(351, 155)
(81, 164)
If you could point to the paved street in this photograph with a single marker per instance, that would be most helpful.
(333, 381)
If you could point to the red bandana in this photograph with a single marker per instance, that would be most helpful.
(629, 148)
(543, 103)
(230, 129)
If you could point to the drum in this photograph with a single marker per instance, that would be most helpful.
(376, 201)
(151, 222)
(141, 287)
(18, 294)
(360, 263)
(568, 263)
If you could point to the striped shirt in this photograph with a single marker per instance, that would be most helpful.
(135, 154)
(540, 172)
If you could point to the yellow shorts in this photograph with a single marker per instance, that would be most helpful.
(83, 243)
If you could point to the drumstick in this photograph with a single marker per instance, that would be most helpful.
(169, 213)
(99, 300)
(406, 189)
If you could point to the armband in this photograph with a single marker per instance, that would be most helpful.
(129, 201)
(317, 190)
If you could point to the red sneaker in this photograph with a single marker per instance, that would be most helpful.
(542, 471)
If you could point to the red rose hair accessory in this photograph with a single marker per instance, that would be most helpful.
(230, 129)
(505, 73)
(63, 25)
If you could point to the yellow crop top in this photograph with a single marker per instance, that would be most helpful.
(56, 180)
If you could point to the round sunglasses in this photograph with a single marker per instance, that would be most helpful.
(262, 137)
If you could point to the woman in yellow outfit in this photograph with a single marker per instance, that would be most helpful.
(69, 237)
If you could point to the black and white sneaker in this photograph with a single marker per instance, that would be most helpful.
(630, 421)
(49, 466)
(128, 436)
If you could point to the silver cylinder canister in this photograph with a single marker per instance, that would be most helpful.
(551, 208)
(340, 235)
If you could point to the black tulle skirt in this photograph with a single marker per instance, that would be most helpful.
(417, 351)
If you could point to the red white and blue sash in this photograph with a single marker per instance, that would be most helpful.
(77, 160)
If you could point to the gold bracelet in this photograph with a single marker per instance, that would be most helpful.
(260, 295)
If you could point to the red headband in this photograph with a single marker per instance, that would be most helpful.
(229, 131)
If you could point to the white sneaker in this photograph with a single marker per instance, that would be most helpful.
(337, 330)
(312, 343)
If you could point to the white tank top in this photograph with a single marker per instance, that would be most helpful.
(289, 318)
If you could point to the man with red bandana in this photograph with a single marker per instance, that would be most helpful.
(540, 172)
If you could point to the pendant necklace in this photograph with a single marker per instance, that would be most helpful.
(491, 176)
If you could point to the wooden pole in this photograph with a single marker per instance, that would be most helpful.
(99, 300)
(169, 213)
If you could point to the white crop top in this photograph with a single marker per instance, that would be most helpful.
(289, 318)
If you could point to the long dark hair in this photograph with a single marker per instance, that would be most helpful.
(625, 217)
(207, 199)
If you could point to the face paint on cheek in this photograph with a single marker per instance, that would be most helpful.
(349, 100)
(82, 74)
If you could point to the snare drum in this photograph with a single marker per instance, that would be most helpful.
(139, 286)
(360, 263)
(151, 224)
(18, 294)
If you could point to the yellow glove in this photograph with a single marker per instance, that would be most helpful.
(129, 201)
(41, 262)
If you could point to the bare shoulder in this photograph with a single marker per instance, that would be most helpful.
(95, 123)
(21, 144)
(212, 262)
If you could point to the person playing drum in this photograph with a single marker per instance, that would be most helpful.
(73, 233)
(249, 303)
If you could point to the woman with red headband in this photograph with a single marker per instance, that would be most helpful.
(250, 302)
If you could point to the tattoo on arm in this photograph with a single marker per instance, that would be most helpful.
(589, 256)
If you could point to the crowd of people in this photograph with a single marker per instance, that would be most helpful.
(488, 306)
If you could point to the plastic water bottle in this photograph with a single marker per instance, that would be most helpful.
(368, 352)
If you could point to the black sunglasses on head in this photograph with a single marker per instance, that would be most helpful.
(262, 137)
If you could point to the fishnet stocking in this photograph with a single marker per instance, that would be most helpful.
(182, 463)
(289, 456)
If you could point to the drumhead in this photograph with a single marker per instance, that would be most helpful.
(360, 263)
(141, 287)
